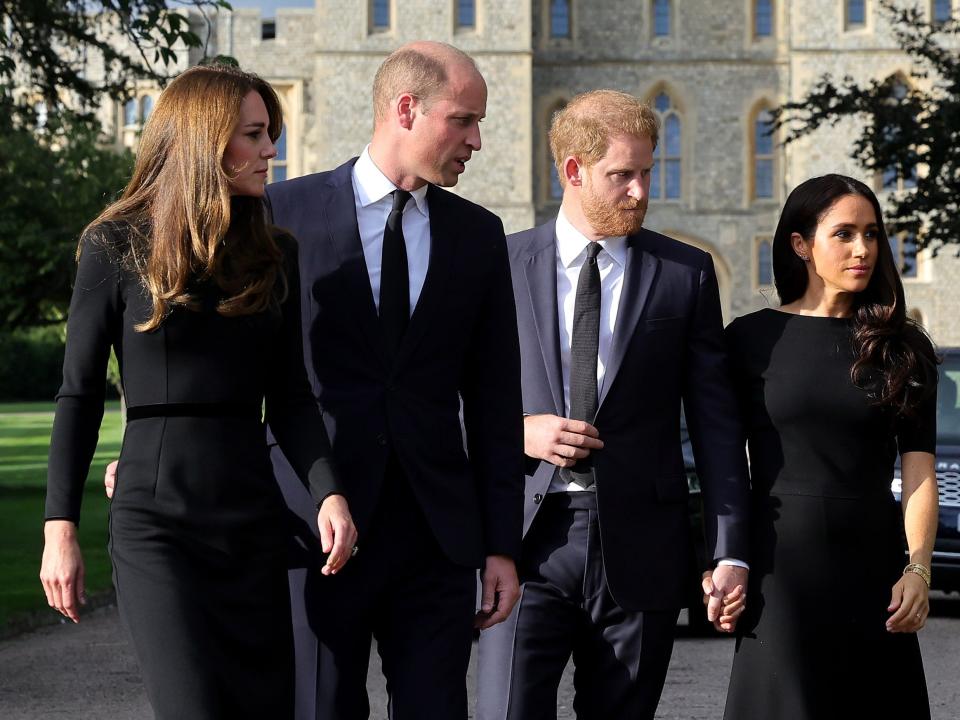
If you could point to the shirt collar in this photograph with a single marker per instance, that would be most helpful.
(571, 243)
(372, 185)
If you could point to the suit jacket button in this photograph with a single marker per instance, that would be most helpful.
(537, 498)
(382, 440)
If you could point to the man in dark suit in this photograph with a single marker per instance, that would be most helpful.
(618, 324)
(409, 320)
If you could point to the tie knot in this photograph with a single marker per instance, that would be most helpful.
(400, 198)
(593, 249)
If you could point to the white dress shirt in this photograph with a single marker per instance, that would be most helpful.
(571, 253)
(371, 195)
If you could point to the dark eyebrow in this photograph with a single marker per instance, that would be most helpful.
(852, 225)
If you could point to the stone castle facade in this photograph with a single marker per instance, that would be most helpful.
(711, 69)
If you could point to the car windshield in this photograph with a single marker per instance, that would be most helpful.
(948, 405)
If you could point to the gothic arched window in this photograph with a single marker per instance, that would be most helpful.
(130, 112)
(763, 156)
(665, 182)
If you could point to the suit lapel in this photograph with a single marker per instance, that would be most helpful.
(341, 214)
(541, 274)
(443, 238)
(639, 274)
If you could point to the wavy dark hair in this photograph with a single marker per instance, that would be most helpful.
(894, 358)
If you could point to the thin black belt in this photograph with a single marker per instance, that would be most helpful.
(224, 410)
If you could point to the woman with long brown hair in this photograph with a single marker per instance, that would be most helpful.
(200, 300)
(833, 384)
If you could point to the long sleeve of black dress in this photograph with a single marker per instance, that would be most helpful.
(93, 326)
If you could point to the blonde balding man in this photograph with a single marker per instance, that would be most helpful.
(408, 312)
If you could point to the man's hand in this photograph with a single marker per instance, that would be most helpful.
(725, 595)
(338, 535)
(110, 478)
(560, 441)
(61, 570)
(500, 591)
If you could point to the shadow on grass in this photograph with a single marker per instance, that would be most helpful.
(21, 547)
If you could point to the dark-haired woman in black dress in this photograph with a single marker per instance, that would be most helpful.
(833, 385)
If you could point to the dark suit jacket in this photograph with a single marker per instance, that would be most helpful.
(667, 345)
(461, 345)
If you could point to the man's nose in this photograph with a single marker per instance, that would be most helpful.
(473, 139)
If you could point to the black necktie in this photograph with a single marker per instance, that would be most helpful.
(584, 345)
(394, 279)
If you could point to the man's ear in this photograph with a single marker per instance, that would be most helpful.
(405, 107)
(573, 171)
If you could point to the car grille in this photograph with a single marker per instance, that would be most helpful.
(948, 485)
(948, 482)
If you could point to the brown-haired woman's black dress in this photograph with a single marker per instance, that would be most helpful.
(826, 545)
(197, 523)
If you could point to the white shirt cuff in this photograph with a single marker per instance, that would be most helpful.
(735, 563)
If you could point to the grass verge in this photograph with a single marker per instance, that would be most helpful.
(24, 441)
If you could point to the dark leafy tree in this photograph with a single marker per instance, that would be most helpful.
(911, 131)
(70, 53)
(55, 181)
(59, 60)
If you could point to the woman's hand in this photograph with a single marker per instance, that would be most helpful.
(338, 535)
(909, 603)
(731, 607)
(61, 570)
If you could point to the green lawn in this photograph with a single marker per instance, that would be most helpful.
(24, 439)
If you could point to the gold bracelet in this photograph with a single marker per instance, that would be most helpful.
(921, 570)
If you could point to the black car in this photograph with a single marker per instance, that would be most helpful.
(946, 550)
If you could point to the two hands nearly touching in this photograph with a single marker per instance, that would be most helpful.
(561, 441)
(725, 596)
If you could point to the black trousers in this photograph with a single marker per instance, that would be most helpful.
(566, 609)
(403, 591)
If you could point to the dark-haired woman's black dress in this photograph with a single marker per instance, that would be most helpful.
(198, 526)
(826, 545)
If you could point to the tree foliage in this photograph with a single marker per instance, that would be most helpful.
(70, 53)
(912, 128)
(55, 181)
(59, 59)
